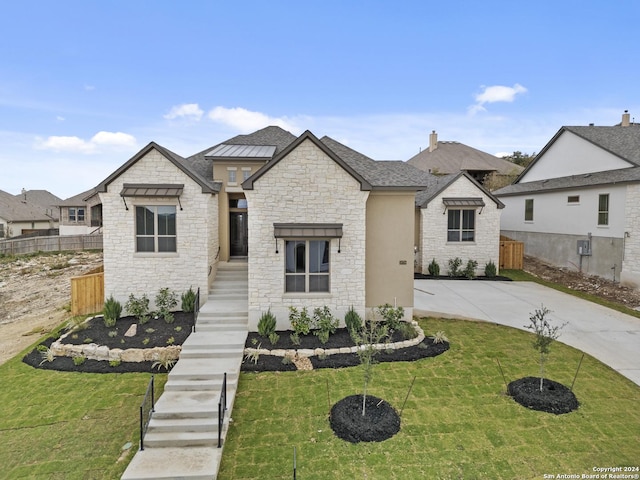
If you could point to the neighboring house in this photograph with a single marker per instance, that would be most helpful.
(27, 212)
(319, 223)
(443, 158)
(577, 204)
(81, 214)
(457, 218)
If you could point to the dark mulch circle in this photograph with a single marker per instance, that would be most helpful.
(554, 397)
(98, 333)
(379, 423)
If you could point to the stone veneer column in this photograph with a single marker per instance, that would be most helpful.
(306, 186)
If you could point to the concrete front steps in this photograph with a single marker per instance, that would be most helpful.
(182, 438)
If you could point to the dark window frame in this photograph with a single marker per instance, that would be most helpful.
(307, 265)
(461, 225)
(156, 229)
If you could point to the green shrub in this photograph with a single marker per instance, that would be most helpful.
(440, 337)
(490, 269)
(166, 301)
(454, 267)
(352, 321)
(434, 268)
(273, 338)
(114, 363)
(111, 311)
(138, 307)
(189, 301)
(300, 320)
(113, 333)
(267, 324)
(79, 360)
(470, 269)
(391, 316)
(295, 338)
(325, 324)
(407, 330)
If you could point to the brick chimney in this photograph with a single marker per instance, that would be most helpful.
(433, 141)
(626, 119)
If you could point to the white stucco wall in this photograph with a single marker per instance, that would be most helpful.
(306, 186)
(553, 214)
(433, 231)
(126, 271)
(572, 155)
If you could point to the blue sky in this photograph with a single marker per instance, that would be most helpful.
(85, 84)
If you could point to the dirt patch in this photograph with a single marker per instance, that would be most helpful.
(573, 279)
(33, 293)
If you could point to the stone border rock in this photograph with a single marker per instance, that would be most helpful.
(93, 351)
(319, 352)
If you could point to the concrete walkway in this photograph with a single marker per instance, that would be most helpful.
(182, 438)
(610, 336)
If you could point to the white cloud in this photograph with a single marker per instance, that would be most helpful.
(100, 141)
(116, 139)
(186, 110)
(60, 118)
(89, 88)
(496, 93)
(248, 121)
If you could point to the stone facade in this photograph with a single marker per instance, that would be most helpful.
(192, 265)
(433, 231)
(306, 186)
(631, 264)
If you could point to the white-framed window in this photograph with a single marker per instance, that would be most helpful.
(76, 215)
(528, 210)
(156, 228)
(603, 209)
(246, 173)
(231, 176)
(461, 225)
(307, 265)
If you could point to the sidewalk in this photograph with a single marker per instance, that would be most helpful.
(610, 336)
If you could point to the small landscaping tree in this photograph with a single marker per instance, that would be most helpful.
(324, 323)
(188, 299)
(490, 269)
(166, 301)
(267, 324)
(138, 307)
(373, 332)
(545, 335)
(470, 270)
(454, 267)
(434, 268)
(352, 321)
(111, 311)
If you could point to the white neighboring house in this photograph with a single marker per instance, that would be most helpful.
(578, 204)
(457, 217)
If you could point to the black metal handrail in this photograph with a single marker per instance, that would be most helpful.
(222, 407)
(196, 310)
(147, 407)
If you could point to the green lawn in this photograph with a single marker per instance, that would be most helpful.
(57, 425)
(457, 424)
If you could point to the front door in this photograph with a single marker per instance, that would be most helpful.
(238, 234)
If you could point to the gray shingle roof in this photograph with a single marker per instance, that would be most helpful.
(624, 175)
(454, 157)
(43, 198)
(13, 209)
(621, 141)
(381, 173)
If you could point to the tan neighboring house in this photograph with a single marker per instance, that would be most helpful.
(447, 157)
(318, 223)
(81, 214)
(28, 212)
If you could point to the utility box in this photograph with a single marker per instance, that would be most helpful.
(584, 248)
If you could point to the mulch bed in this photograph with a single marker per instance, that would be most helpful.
(379, 423)
(269, 363)
(497, 278)
(98, 333)
(554, 397)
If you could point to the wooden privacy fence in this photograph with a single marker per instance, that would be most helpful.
(511, 254)
(56, 243)
(87, 293)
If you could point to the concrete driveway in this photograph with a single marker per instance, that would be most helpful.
(610, 336)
